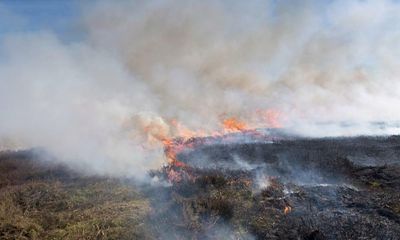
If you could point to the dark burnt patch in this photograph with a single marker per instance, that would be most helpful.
(331, 188)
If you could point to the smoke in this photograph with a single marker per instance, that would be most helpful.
(97, 102)
(331, 62)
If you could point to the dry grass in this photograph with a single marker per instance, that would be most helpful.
(39, 201)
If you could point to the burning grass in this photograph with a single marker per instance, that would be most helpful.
(316, 189)
(213, 188)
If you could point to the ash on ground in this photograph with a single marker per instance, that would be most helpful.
(332, 188)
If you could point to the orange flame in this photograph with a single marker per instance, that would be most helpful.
(160, 131)
(171, 149)
(232, 125)
(287, 210)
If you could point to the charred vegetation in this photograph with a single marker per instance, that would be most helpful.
(332, 188)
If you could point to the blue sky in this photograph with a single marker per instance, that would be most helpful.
(59, 16)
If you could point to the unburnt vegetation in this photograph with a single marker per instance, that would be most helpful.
(340, 188)
(40, 200)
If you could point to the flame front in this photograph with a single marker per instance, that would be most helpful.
(232, 125)
(176, 137)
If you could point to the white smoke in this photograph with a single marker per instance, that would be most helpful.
(142, 63)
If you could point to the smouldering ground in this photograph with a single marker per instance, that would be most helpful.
(331, 188)
(298, 188)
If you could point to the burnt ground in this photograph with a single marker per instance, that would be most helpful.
(338, 188)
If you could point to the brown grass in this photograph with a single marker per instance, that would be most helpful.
(44, 201)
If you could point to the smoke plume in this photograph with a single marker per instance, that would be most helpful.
(103, 102)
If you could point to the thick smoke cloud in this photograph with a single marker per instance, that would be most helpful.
(95, 103)
(314, 62)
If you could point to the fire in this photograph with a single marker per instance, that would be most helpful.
(183, 131)
(232, 125)
(171, 149)
(159, 131)
(287, 210)
(176, 137)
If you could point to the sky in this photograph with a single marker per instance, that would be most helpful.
(58, 16)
